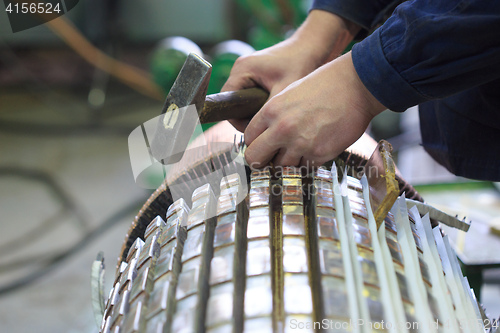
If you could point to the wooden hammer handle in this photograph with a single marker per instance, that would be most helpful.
(238, 104)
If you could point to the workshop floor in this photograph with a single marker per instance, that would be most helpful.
(92, 170)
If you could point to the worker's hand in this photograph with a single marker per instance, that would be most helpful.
(312, 120)
(322, 37)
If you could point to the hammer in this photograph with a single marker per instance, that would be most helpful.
(187, 102)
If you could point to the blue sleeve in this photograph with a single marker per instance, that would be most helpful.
(430, 49)
(365, 13)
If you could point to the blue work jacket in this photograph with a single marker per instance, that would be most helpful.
(443, 55)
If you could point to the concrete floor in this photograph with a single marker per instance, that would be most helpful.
(93, 169)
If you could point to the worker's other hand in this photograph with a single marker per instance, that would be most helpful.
(322, 37)
(312, 120)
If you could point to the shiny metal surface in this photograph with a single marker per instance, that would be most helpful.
(188, 279)
(258, 257)
(220, 305)
(221, 269)
(296, 268)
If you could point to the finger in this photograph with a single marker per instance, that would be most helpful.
(287, 157)
(311, 164)
(241, 75)
(279, 87)
(238, 81)
(257, 125)
(261, 151)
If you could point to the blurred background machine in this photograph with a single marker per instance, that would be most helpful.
(73, 90)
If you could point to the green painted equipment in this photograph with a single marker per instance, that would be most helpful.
(168, 58)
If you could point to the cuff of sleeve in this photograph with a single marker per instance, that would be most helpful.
(351, 10)
(380, 78)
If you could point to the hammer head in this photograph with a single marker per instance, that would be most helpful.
(179, 116)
